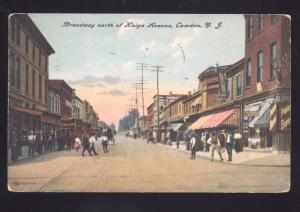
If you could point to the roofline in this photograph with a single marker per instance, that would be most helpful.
(26, 18)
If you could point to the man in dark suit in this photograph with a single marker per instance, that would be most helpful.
(86, 145)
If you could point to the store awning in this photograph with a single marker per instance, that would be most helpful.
(218, 119)
(263, 119)
(197, 101)
(28, 111)
(200, 122)
(175, 126)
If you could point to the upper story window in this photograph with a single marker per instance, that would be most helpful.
(228, 85)
(40, 58)
(15, 31)
(273, 58)
(260, 23)
(250, 27)
(40, 87)
(46, 64)
(260, 66)
(33, 83)
(14, 71)
(33, 53)
(239, 85)
(26, 44)
(27, 79)
(273, 19)
(248, 73)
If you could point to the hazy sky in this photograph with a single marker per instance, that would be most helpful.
(100, 62)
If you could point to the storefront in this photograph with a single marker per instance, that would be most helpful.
(51, 123)
(256, 121)
(72, 126)
(174, 130)
(228, 119)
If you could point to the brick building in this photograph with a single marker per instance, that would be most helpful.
(28, 52)
(266, 78)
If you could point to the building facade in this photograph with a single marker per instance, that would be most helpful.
(28, 53)
(266, 79)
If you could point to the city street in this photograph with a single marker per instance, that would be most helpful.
(135, 166)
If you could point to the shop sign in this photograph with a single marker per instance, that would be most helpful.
(285, 116)
(251, 113)
(273, 117)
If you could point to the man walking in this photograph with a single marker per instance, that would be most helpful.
(86, 145)
(193, 146)
(92, 141)
(215, 147)
(31, 141)
(229, 145)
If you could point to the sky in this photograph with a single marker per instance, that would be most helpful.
(100, 61)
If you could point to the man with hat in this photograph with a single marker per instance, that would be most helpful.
(31, 142)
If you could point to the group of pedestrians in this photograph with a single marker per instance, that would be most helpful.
(89, 141)
(213, 142)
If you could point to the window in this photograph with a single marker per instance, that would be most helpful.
(273, 19)
(273, 61)
(250, 27)
(40, 55)
(26, 44)
(46, 90)
(239, 85)
(40, 87)
(248, 73)
(228, 85)
(33, 53)
(46, 64)
(12, 28)
(26, 78)
(260, 23)
(12, 69)
(33, 83)
(17, 73)
(259, 75)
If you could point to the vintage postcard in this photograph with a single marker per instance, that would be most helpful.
(149, 103)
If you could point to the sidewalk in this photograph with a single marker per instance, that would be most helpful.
(251, 158)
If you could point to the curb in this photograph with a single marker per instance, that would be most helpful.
(226, 162)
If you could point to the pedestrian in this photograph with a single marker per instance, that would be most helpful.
(204, 141)
(193, 146)
(208, 142)
(86, 145)
(104, 140)
(39, 143)
(13, 145)
(215, 147)
(229, 145)
(222, 141)
(238, 142)
(77, 143)
(178, 140)
(31, 142)
(92, 141)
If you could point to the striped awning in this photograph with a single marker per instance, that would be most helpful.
(218, 119)
(200, 122)
(215, 120)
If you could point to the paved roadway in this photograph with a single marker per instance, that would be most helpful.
(135, 166)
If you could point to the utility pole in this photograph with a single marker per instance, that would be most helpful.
(143, 67)
(157, 97)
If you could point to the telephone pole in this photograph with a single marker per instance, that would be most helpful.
(157, 70)
(142, 67)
